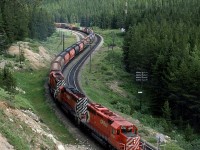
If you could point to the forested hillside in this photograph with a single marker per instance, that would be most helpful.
(103, 13)
(163, 39)
(23, 18)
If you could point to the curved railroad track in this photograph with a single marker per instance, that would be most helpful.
(82, 138)
(71, 72)
(72, 79)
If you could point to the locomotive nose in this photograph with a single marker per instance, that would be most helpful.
(132, 143)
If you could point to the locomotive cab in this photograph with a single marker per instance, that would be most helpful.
(124, 136)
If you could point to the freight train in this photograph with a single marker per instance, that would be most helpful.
(116, 132)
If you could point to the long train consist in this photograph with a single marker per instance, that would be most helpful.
(110, 128)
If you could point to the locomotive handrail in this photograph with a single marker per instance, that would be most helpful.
(147, 146)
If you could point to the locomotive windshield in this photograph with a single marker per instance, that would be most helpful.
(128, 131)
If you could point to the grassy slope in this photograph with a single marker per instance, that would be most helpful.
(109, 84)
(32, 82)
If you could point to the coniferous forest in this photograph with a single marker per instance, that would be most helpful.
(162, 38)
(23, 18)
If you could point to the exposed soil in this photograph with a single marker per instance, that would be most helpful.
(39, 130)
(4, 145)
(37, 60)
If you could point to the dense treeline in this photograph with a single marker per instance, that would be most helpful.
(104, 13)
(164, 40)
(23, 18)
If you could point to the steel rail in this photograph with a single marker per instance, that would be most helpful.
(72, 80)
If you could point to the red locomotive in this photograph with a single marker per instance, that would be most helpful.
(107, 126)
(113, 129)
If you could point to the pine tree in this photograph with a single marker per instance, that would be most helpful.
(189, 133)
(8, 82)
(166, 111)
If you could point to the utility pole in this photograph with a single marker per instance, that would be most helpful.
(90, 59)
(20, 53)
(126, 8)
(63, 39)
(125, 11)
(113, 40)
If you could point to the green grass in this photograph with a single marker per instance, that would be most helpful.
(54, 43)
(108, 76)
(12, 131)
(32, 82)
(110, 85)
(18, 133)
(110, 35)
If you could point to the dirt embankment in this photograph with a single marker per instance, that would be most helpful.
(39, 130)
(36, 59)
(4, 145)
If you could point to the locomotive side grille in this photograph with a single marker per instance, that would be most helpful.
(132, 143)
(81, 106)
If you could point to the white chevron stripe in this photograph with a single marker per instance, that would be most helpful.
(81, 106)
(132, 143)
(59, 83)
(129, 141)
